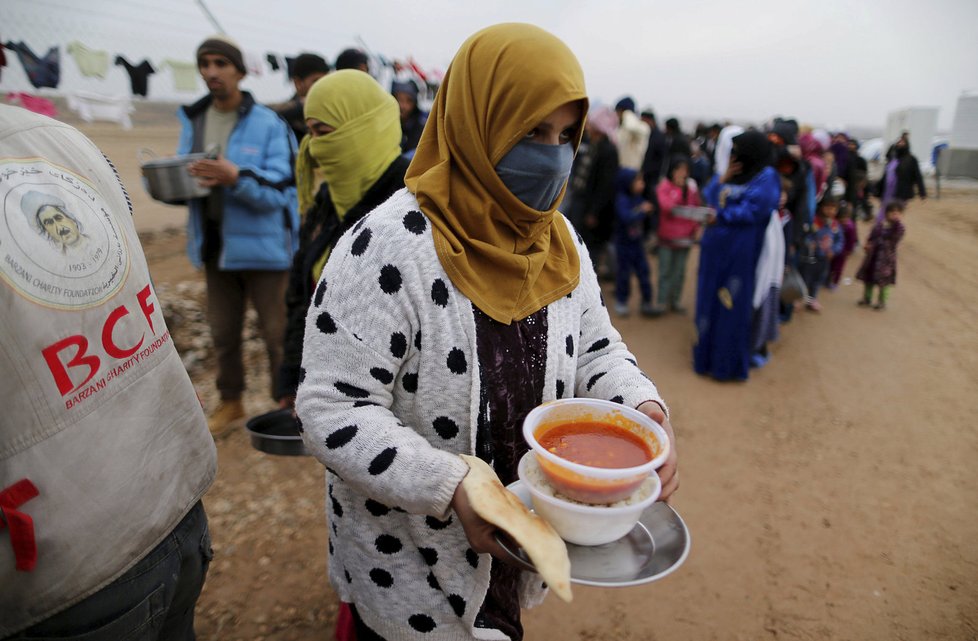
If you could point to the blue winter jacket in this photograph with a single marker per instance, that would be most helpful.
(260, 224)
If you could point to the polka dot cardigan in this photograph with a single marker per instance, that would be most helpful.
(389, 396)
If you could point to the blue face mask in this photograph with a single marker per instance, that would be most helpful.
(535, 173)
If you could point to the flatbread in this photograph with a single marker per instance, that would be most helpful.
(502, 508)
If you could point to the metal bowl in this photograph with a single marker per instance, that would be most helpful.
(276, 433)
(167, 180)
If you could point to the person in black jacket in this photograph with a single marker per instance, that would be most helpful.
(677, 144)
(902, 179)
(306, 70)
(856, 191)
(413, 118)
(597, 198)
(653, 166)
(354, 139)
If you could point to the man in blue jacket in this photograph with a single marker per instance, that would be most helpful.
(245, 232)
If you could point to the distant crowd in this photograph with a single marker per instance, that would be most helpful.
(638, 190)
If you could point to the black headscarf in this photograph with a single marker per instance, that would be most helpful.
(753, 151)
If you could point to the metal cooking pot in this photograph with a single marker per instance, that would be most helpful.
(276, 433)
(167, 180)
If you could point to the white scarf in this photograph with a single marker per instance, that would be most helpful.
(770, 265)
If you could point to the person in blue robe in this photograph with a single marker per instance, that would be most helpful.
(744, 197)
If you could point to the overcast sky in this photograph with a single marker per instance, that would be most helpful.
(830, 62)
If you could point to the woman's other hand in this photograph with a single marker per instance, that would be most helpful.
(669, 472)
(479, 532)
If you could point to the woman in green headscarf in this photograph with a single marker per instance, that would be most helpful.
(440, 321)
(353, 144)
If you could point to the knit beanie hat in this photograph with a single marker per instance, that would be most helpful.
(223, 46)
(626, 103)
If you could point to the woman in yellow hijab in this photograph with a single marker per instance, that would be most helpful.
(354, 143)
(441, 319)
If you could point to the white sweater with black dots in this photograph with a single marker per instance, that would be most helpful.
(390, 397)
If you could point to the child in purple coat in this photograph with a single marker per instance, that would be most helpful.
(879, 265)
(850, 238)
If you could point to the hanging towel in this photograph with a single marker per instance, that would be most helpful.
(253, 63)
(90, 62)
(36, 104)
(138, 75)
(94, 106)
(184, 74)
(42, 72)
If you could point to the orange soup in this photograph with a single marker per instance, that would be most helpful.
(596, 444)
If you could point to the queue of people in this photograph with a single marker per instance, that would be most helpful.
(783, 200)
(418, 293)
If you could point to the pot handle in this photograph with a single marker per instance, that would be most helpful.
(144, 154)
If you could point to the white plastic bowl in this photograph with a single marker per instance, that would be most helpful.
(584, 483)
(584, 524)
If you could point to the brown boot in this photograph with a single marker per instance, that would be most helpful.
(224, 417)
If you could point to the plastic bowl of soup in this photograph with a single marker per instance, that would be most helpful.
(580, 523)
(594, 451)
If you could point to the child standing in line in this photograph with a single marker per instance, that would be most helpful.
(879, 265)
(676, 235)
(823, 243)
(850, 238)
(631, 210)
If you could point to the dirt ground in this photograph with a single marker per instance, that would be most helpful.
(832, 496)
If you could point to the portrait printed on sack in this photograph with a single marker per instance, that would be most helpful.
(59, 245)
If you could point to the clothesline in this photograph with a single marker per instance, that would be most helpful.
(45, 71)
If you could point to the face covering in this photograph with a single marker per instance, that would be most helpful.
(535, 173)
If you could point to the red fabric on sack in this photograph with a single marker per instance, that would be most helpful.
(21, 525)
(345, 626)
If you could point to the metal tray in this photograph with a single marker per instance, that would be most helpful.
(656, 547)
(276, 433)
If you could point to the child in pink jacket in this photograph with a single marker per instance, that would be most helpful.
(676, 235)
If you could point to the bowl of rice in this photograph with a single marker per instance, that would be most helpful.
(585, 523)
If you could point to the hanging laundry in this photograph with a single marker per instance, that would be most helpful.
(253, 63)
(42, 72)
(184, 74)
(417, 70)
(138, 75)
(90, 62)
(272, 61)
(93, 106)
(36, 104)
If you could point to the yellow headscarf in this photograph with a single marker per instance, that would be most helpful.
(510, 260)
(366, 140)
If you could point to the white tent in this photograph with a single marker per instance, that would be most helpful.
(962, 157)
